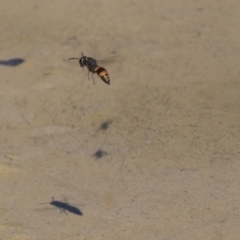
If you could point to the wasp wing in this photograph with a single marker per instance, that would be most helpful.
(109, 60)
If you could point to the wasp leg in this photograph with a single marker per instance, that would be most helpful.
(93, 79)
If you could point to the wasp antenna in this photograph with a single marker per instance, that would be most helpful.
(73, 58)
(82, 54)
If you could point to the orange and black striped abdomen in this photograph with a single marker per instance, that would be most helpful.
(102, 73)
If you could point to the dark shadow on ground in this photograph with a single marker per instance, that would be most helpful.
(13, 62)
(65, 207)
(99, 154)
(105, 125)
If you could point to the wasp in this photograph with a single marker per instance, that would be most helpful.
(93, 67)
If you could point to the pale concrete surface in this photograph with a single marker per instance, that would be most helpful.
(171, 171)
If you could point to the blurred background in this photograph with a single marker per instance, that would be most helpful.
(155, 155)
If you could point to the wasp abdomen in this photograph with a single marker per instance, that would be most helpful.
(103, 74)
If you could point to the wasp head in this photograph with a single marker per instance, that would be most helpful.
(83, 61)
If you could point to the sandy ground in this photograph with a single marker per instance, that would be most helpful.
(153, 156)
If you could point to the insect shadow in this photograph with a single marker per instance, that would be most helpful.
(105, 125)
(64, 207)
(99, 154)
(13, 62)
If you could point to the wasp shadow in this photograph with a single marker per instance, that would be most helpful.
(65, 207)
(105, 125)
(99, 154)
(13, 62)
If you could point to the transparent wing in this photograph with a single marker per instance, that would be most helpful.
(109, 60)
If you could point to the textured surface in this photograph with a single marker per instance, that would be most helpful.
(153, 156)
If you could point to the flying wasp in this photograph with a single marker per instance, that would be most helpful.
(93, 67)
